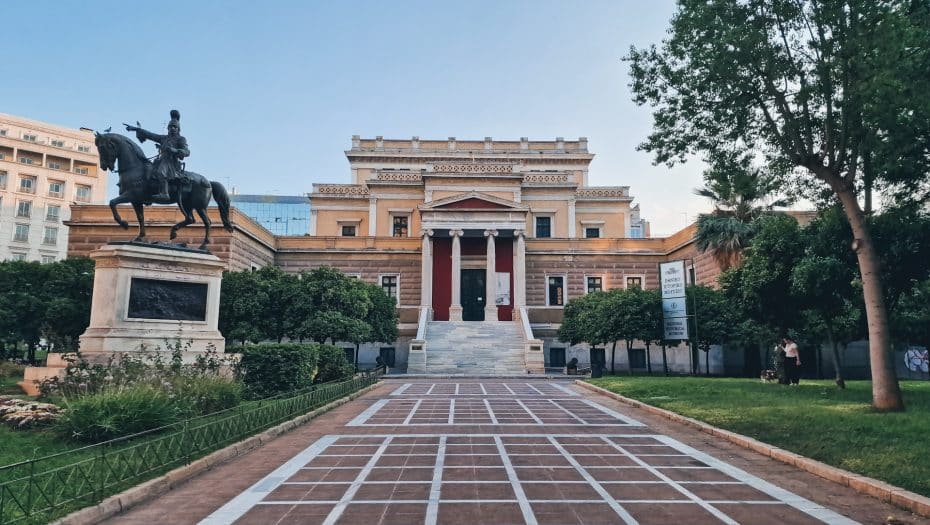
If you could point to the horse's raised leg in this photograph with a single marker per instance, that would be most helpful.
(120, 199)
(188, 219)
(206, 227)
(140, 214)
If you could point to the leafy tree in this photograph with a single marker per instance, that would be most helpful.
(281, 295)
(242, 307)
(825, 285)
(715, 319)
(830, 94)
(23, 304)
(587, 319)
(67, 294)
(911, 321)
(739, 192)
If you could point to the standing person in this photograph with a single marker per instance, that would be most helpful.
(780, 370)
(792, 361)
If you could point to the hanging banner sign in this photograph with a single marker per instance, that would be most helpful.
(503, 289)
(674, 307)
(676, 328)
(674, 304)
(672, 277)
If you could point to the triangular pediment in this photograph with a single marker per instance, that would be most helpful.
(472, 200)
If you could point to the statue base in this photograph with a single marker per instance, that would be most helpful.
(152, 298)
(147, 300)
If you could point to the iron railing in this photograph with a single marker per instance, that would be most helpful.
(42, 489)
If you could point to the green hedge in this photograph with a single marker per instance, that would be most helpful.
(333, 364)
(271, 368)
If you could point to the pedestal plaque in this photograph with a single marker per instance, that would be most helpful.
(147, 297)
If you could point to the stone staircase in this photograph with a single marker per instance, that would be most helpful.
(474, 348)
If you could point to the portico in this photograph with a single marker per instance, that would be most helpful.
(473, 258)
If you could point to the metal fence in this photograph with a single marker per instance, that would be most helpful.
(42, 489)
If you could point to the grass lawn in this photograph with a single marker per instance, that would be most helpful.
(816, 420)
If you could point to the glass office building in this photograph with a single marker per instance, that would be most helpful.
(279, 214)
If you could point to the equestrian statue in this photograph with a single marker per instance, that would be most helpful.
(165, 181)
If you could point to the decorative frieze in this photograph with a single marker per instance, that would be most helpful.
(473, 167)
(545, 178)
(340, 189)
(400, 176)
(609, 192)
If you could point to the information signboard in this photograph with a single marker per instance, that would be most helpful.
(674, 303)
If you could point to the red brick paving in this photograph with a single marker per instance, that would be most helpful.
(610, 472)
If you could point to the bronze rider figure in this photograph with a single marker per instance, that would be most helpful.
(172, 149)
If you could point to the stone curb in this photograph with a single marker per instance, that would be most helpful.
(147, 490)
(877, 489)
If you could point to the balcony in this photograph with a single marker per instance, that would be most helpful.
(81, 171)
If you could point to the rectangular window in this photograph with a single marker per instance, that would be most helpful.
(400, 226)
(3, 177)
(80, 171)
(58, 143)
(50, 236)
(27, 184)
(53, 213)
(84, 149)
(2, 132)
(348, 231)
(598, 357)
(634, 282)
(592, 233)
(30, 137)
(56, 188)
(556, 291)
(16, 256)
(556, 358)
(595, 284)
(2, 156)
(543, 227)
(24, 209)
(386, 353)
(637, 358)
(54, 165)
(21, 233)
(82, 193)
(389, 285)
(46, 259)
(25, 160)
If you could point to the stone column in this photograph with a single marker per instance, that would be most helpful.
(455, 310)
(426, 271)
(572, 227)
(490, 308)
(519, 272)
(372, 216)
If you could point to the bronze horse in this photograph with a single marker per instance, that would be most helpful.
(137, 185)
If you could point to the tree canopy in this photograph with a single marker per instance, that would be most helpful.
(829, 96)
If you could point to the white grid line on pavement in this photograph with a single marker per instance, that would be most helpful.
(343, 502)
(432, 507)
(525, 508)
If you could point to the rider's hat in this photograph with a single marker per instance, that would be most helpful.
(175, 119)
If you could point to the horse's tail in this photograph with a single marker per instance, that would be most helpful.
(222, 201)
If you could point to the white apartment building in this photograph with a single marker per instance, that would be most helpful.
(44, 170)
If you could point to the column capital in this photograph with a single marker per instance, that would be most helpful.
(490, 233)
(426, 233)
(519, 233)
(456, 233)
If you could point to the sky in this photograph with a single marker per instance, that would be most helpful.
(271, 92)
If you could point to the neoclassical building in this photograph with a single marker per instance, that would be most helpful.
(481, 242)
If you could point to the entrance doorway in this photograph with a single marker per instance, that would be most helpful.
(473, 288)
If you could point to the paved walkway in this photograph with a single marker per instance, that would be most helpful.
(503, 452)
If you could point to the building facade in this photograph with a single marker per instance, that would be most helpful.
(458, 232)
(44, 170)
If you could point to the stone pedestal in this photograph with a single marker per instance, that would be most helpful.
(147, 298)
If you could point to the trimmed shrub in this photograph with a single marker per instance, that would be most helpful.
(207, 394)
(273, 368)
(333, 364)
(119, 411)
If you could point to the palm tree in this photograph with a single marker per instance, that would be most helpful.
(739, 192)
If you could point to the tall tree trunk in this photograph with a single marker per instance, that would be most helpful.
(664, 359)
(648, 360)
(707, 362)
(886, 393)
(613, 359)
(837, 368)
(629, 362)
